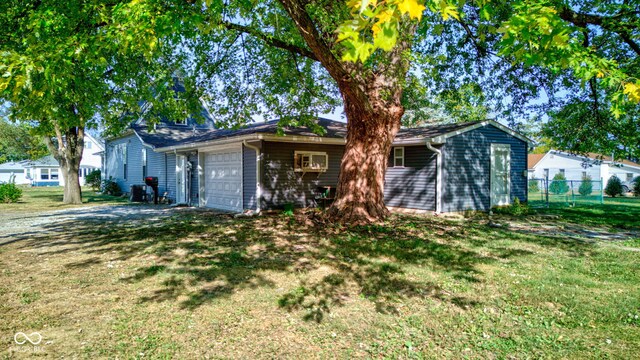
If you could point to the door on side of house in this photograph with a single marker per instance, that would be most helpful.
(223, 179)
(181, 162)
(500, 174)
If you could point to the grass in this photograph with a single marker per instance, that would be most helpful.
(197, 284)
(614, 213)
(40, 199)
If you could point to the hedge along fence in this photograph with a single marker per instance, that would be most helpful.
(561, 192)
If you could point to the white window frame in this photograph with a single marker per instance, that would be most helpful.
(629, 176)
(44, 172)
(87, 144)
(144, 163)
(51, 174)
(301, 153)
(397, 157)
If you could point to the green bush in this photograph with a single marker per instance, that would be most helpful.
(614, 187)
(10, 193)
(559, 184)
(636, 187)
(586, 188)
(94, 179)
(110, 187)
(534, 187)
(516, 209)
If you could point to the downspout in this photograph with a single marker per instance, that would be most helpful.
(438, 176)
(258, 184)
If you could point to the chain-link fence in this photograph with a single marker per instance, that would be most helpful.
(549, 192)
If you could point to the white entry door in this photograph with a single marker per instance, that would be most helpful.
(181, 164)
(500, 174)
(223, 179)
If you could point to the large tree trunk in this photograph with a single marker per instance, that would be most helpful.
(72, 189)
(360, 191)
(371, 95)
(67, 150)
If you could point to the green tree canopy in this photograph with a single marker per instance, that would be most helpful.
(18, 143)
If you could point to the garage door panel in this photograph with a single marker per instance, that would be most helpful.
(223, 180)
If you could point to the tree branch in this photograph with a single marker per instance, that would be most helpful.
(347, 84)
(611, 23)
(270, 40)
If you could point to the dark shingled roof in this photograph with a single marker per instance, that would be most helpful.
(175, 135)
(165, 136)
(431, 131)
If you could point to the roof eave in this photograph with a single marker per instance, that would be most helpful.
(441, 139)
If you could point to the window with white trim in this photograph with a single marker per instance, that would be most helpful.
(121, 154)
(53, 174)
(44, 174)
(310, 161)
(562, 172)
(398, 157)
(144, 163)
(629, 176)
(88, 144)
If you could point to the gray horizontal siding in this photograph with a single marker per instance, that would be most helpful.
(282, 185)
(248, 178)
(414, 185)
(467, 168)
(157, 165)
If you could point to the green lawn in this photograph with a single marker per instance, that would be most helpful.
(50, 198)
(197, 284)
(619, 212)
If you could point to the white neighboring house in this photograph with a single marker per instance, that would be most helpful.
(575, 167)
(14, 171)
(47, 172)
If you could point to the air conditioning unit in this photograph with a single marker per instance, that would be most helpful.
(310, 161)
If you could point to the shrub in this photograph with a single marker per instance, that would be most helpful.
(614, 187)
(586, 188)
(10, 193)
(636, 187)
(516, 209)
(94, 179)
(534, 187)
(110, 187)
(559, 184)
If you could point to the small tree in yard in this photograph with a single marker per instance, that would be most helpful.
(559, 184)
(94, 179)
(636, 187)
(586, 188)
(614, 187)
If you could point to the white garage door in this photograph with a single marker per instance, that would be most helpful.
(223, 180)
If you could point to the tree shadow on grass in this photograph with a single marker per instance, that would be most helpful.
(202, 256)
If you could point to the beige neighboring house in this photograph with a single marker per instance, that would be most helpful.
(575, 167)
(47, 172)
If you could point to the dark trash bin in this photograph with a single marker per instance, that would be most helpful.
(138, 193)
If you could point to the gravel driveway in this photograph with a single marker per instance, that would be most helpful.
(20, 225)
